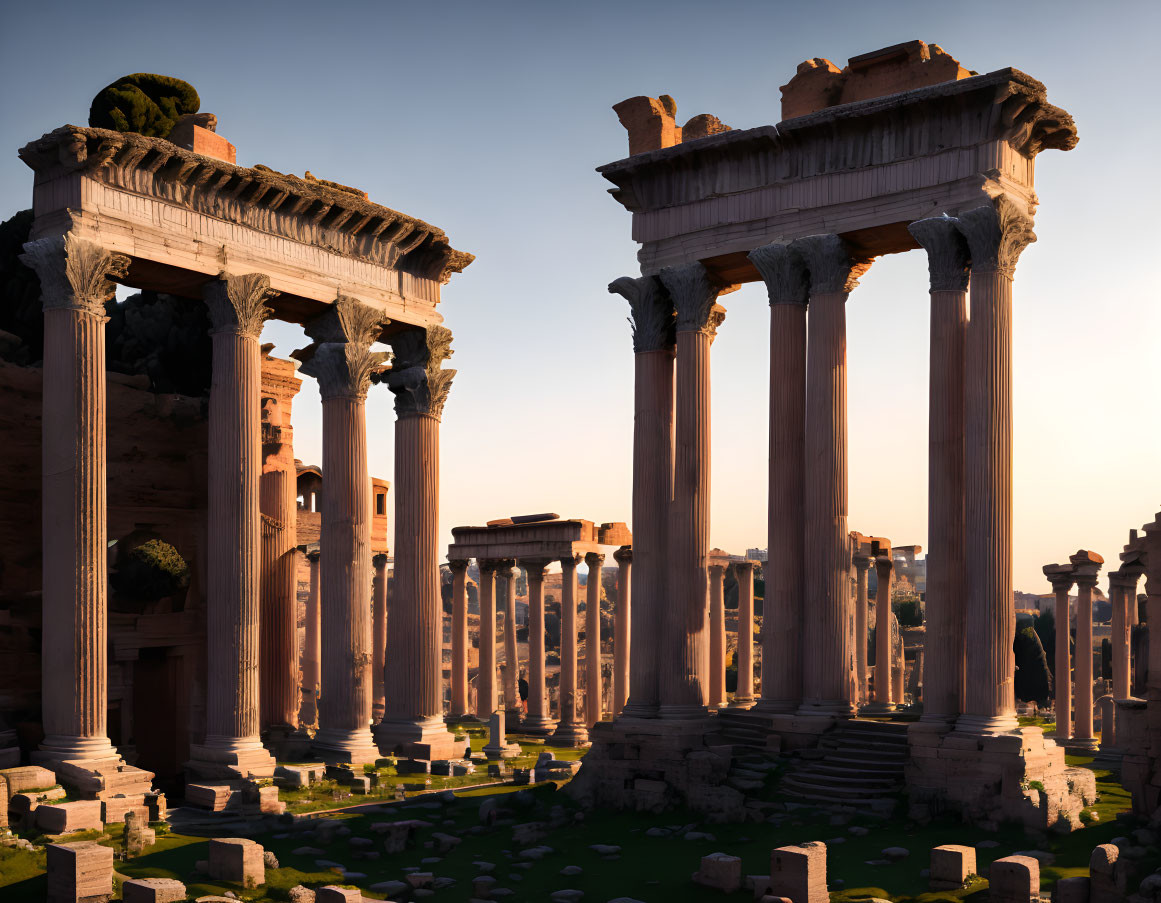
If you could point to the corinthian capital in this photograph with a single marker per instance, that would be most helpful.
(416, 377)
(238, 303)
(651, 312)
(947, 252)
(831, 265)
(996, 233)
(74, 273)
(343, 361)
(783, 271)
(694, 295)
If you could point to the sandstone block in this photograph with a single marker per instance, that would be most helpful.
(720, 871)
(79, 872)
(332, 894)
(63, 818)
(950, 866)
(1108, 874)
(799, 872)
(237, 860)
(152, 890)
(1014, 879)
(215, 797)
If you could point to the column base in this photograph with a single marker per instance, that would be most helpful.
(230, 759)
(537, 725)
(840, 708)
(741, 704)
(513, 718)
(427, 739)
(935, 718)
(1081, 744)
(336, 746)
(55, 749)
(984, 725)
(878, 708)
(638, 710)
(775, 706)
(569, 734)
(670, 712)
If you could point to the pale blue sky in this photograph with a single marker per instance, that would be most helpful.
(488, 119)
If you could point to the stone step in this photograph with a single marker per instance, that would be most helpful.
(821, 777)
(824, 791)
(865, 765)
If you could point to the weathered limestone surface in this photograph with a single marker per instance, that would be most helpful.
(744, 697)
(79, 872)
(486, 696)
(152, 890)
(1086, 566)
(799, 873)
(1060, 576)
(311, 646)
(884, 647)
(950, 866)
(717, 638)
(593, 682)
(512, 707)
(538, 718)
(622, 627)
(569, 731)
(237, 860)
(459, 670)
(378, 634)
(1014, 879)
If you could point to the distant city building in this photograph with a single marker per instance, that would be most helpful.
(757, 555)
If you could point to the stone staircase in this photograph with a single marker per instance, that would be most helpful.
(858, 764)
(745, 731)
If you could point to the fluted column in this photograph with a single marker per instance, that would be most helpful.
(1060, 576)
(1119, 634)
(787, 285)
(513, 712)
(884, 645)
(278, 622)
(833, 275)
(378, 634)
(594, 685)
(569, 731)
(75, 278)
(538, 719)
(413, 716)
(486, 693)
(898, 661)
(717, 638)
(622, 630)
(1153, 617)
(744, 697)
(459, 668)
(862, 564)
(1086, 569)
(947, 264)
(311, 647)
(996, 233)
(684, 666)
(653, 346)
(237, 306)
(342, 361)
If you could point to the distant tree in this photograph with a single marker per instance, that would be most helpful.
(552, 630)
(908, 612)
(21, 314)
(1102, 611)
(152, 571)
(1033, 679)
(144, 103)
(732, 674)
(1045, 626)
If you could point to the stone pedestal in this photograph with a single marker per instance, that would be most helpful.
(459, 668)
(569, 731)
(538, 719)
(378, 634)
(622, 630)
(744, 697)
(594, 685)
(311, 650)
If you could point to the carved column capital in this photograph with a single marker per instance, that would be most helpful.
(884, 565)
(651, 312)
(489, 565)
(1059, 576)
(458, 565)
(861, 562)
(341, 358)
(379, 561)
(996, 233)
(505, 567)
(416, 377)
(74, 273)
(830, 263)
(744, 565)
(571, 561)
(783, 271)
(238, 303)
(694, 296)
(948, 256)
(534, 569)
(594, 560)
(717, 569)
(313, 556)
(623, 555)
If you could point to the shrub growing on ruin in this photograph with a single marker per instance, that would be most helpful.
(144, 103)
(1033, 679)
(152, 571)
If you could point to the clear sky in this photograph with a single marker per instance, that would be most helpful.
(487, 119)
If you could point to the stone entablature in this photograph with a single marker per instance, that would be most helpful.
(181, 216)
(549, 540)
(862, 170)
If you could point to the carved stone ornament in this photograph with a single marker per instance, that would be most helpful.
(694, 294)
(458, 565)
(419, 384)
(651, 312)
(343, 361)
(832, 268)
(996, 233)
(948, 256)
(571, 561)
(783, 271)
(379, 561)
(238, 303)
(74, 273)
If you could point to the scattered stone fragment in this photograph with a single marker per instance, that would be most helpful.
(896, 854)
(569, 870)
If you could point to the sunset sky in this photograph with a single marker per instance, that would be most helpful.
(488, 119)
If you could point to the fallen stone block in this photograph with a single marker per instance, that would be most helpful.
(215, 797)
(720, 871)
(152, 890)
(237, 860)
(64, 818)
(1014, 879)
(79, 872)
(799, 872)
(950, 866)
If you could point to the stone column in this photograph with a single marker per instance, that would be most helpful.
(569, 731)
(744, 697)
(621, 627)
(594, 686)
(884, 647)
(862, 564)
(717, 638)
(278, 620)
(898, 663)
(539, 719)
(684, 669)
(311, 648)
(413, 716)
(486, 694)
(459, 669)
(513, 711)
(653, 346)
(826, 561)
(75, 279)
(1152, 532)
(1060, 576)
(237, 307)
(378, 634)
(782, 616)
(342, 361)
(1119, 634)
(1086, 568)
(947, 264)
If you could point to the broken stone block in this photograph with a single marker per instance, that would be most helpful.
(79, 872)
(237, 860)
(152, 890)
(300, 775)
(155, 803)
(215, 797)
(1014, 879)
(1072, 890)
(799, 872)
(950, 866)
(27, 777)
(1108, 873)
(138, 835)
(720, 871)
(64, 818)
(333, 894)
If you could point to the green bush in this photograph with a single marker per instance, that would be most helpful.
(152, 571)
(145, 103)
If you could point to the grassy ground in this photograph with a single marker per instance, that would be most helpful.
(652, 869)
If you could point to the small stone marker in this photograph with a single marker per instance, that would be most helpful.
(237, 860)
(799, 872)
(333, 894)
(152, 890)
(720, 871)
(950, 866)
(79, 872)
(1014, 879)
(497, 746)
